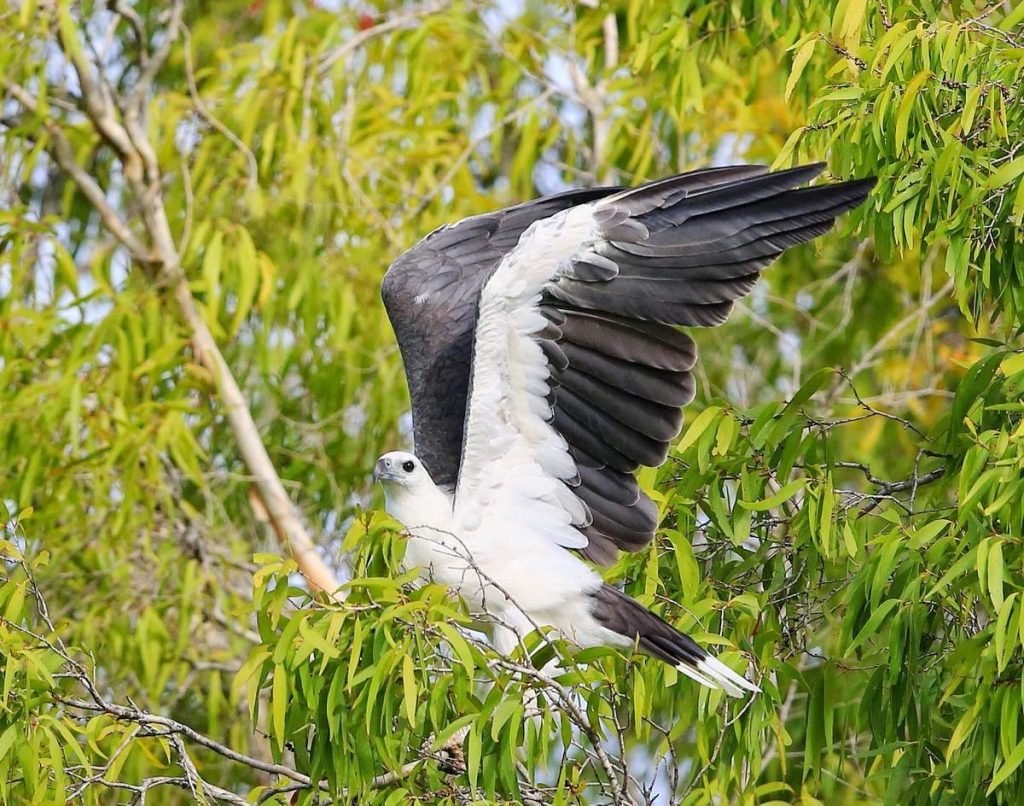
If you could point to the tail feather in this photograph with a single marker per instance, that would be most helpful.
(622, 615)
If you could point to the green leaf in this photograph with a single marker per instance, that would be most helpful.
(474, 752)
(443, 736)
(459, 646)
(505, 710)
(784, 494)
(958, 569)
(853, 20)
(971, 101)
(925, 535)
(699, 425)
(995, 573)
(784, 158)
(310, 634)
(7, 740)
(279, 705)
(803, 55)
(398, 797)
(815, 730)
(825, 524)
(907, 107)
(212, 268)
(354, 652)
(248, 278)
(873, 624)
(964, 728)
(724, 437)
(1006, 173)
(409, 691)
(1013, 19)
(1007, 768)
(1006, 630)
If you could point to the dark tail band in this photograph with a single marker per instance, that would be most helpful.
(619, 613)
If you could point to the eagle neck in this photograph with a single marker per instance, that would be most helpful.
(424, 507)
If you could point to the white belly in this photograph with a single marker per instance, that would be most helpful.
(441, 557)
(539, 577)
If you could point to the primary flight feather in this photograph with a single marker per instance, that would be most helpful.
(545, 368)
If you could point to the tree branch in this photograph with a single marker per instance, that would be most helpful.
(64, 155)
(284, 518)
(162, 261)
(165, 726)
(594, 97)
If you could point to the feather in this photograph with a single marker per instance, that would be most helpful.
(669, 388)
(627, 441)
(609, 484)
(588, 377)
(655, 420)
(626, 617)
(648, 343)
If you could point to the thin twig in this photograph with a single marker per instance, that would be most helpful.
(579, 718)
(204, 112)
(393, 23)
(140, 91)
(171, 727)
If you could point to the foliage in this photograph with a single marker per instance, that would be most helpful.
(843, 509)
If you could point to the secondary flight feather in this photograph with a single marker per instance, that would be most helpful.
(545, 366)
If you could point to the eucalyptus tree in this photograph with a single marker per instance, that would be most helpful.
(197, 204)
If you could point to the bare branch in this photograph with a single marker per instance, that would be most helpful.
(64, 155)
(894, 486)
(877, 412)
(99, 105)
(163, 262)
(138, 27)
(137, 97)
(283, 516)
(168, 727)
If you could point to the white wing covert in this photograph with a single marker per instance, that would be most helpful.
(508, 417)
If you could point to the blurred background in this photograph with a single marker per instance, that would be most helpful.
(197, 203)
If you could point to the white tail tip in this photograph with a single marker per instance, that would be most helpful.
(712, 673)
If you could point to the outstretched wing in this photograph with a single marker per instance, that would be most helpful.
(430, 293)
(578, 375)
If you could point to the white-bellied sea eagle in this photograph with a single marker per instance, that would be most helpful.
(545, 367)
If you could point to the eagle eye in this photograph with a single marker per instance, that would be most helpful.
(408, 466)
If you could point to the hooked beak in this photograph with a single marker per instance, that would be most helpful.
(383, 471)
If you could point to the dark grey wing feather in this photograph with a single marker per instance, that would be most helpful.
(679, 251)
(661, 386)
(430, 293)
(649, 417)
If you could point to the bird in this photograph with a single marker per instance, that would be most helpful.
(546, 365)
